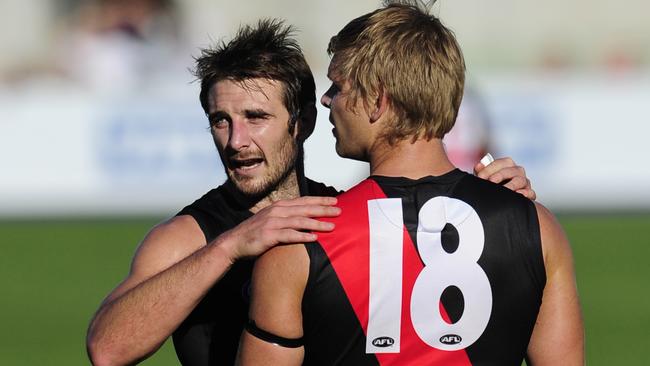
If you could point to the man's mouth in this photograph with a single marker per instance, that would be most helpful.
(245, 164)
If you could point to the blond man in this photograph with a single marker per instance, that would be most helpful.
(427, 265)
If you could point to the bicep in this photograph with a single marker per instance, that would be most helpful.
(558, 336)
(166, 244)
(279, 279)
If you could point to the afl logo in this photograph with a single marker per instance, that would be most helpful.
(383, 342)
(450, 339)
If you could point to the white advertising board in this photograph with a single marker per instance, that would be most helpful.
(584, 143)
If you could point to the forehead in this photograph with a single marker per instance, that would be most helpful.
(246, 94)
(334, 69)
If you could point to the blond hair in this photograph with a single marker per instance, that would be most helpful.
(405, 52)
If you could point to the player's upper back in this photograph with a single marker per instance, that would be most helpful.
(440, 270)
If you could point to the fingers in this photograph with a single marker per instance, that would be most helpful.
(496, 166)
(292, 230)
(522, 186)
(506, 172)
(528, 193)
(299, 223)
(516, 183)
(288, 236)
(304, 211)
(486, 160)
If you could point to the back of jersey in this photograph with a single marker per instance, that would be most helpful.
(442, 270)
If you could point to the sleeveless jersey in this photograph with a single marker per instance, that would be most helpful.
(442, 270)
(210, 334)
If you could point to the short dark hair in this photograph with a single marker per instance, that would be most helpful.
(413, 57)
(266, 51)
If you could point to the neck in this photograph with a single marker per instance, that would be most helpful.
(409, 159)
(287, 189)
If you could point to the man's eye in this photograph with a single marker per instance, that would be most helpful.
(333, 90)
(219, 123)
(257, 116)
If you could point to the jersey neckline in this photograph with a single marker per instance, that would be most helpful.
(450, 176)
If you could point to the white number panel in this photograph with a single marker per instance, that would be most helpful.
(441, 270)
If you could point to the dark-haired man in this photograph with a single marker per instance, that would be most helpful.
(427, 265)
(190, 275)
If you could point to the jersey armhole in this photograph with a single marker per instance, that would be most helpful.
(312, 254)
(532, 249)
(202, 218)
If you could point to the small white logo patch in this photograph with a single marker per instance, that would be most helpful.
(450, 339)
(383, 342)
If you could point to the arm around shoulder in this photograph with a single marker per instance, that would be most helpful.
(558, 336)
(279, 280)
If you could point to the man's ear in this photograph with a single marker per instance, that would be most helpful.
(379, 106)
(306, 123)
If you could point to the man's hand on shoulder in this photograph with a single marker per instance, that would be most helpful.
(506, 172)
(284, 222)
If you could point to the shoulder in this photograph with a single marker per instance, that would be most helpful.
(362, 191)
(169, 242)
(183, 228)
(320, 189)
(218, 210)
(494, 198)
(283, 265)
(484, 185)
(209, 199)
(166, 244)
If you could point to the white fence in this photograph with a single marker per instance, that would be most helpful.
(583, 140)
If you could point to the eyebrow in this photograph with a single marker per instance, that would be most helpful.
(218, 114)
(257, 113)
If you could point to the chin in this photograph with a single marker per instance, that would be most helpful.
(349, 154)
(340, 151)
(251, 187)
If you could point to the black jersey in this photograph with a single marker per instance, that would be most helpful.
(210, 334)
(442, 270)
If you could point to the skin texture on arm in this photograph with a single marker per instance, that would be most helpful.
(173, 269)
(558, 336)
(279, 280)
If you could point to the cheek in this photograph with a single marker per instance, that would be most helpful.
(342, 110)
(220, 139)
(270, 139)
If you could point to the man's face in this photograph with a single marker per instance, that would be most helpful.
(250, 126)
(351, 121)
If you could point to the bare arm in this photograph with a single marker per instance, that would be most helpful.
(558, 336)
(174, 268)
(506, 172)
(171, 271)
(279, 280)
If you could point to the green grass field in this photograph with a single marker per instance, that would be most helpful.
(53, 274)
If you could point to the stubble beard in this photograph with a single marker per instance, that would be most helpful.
(276, 177)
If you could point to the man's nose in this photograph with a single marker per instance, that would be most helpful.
(326, 99)
(239, 135)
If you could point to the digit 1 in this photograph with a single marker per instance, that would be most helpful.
(386, 227)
